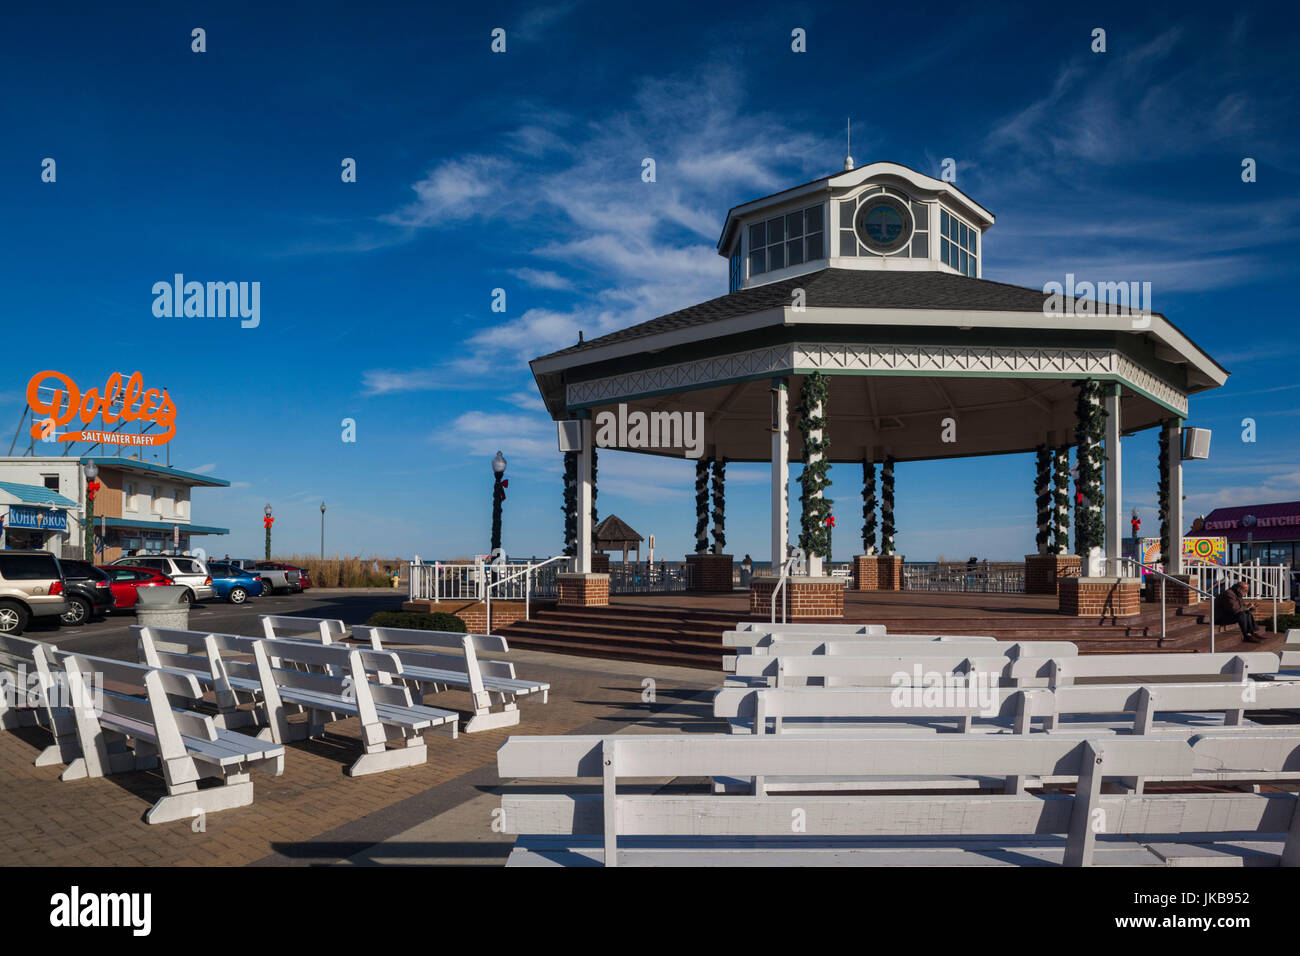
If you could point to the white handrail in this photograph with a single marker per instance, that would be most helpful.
(780, 583)
(526, 572)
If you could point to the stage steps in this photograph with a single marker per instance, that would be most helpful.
(690, 637)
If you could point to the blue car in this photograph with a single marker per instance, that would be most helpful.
(234, 584)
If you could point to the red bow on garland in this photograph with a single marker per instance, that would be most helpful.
(830, 521)
(267, 521)
(91, 488)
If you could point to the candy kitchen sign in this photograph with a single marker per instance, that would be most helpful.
(56, 401)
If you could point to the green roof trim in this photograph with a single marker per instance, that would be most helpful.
(162, 525)
(114, 461)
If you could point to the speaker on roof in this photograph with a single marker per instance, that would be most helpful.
(1196, 443)
(570, 435)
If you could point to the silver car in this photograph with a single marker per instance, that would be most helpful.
(190, 572)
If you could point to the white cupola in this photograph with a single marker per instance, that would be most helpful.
(878, 216)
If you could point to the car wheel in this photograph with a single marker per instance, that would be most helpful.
(267, 589)
(187, 597)
(78, 612)
(13, 618)
(238, 595)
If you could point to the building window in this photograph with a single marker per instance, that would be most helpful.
(959, 244)
(180, 502)
(155, 499)
(789, 240)
(128, 495)
(883, 215)
(51, 482)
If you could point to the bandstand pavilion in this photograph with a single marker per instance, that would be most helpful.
(873, 277)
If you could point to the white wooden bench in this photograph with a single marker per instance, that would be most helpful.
(763, 627)
(707, 829)
(1082, 709)
(320, 629)
(385, 711)
(835, 663)
(325, 681)
(186, 746)
(1052, 671)
(484, 679)
(744, 643)
(35, 695)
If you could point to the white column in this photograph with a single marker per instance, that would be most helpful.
(780, 472)
(1114, 488)
(584, 500)
(1174, 562)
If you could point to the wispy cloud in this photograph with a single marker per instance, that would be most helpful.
(640, 249)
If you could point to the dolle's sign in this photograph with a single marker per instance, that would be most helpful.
(118, 402)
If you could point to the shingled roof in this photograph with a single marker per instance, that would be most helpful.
(841, 288)
(613, 533)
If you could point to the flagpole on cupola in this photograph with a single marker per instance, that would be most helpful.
(848, 144)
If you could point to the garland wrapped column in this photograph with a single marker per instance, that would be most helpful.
(702, 506)
(868, 507)
(1043, 499)
(887, 507)
(815, 523)
(1162, 492)
(570, 506)
(719, 506)
(1090, 495)
(1061, 501)
(594, 520)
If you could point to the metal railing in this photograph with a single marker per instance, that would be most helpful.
(1141, 568)
(502, 574)
(1267, 581)
(984, 577)
(792, 561)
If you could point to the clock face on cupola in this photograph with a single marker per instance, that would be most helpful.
(881, 216)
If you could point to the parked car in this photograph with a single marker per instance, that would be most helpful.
(235, 584)
(188, 572)
(87, 589)
(304, 576)
(125, 580)
(31, 587)
(274, 578)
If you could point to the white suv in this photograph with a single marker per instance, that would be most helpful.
(190, 572)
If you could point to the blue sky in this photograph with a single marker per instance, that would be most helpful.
(521, 171)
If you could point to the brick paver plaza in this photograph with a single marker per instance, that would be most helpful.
(312, 814)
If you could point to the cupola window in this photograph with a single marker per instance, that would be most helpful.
(789, 240)
(958, 244)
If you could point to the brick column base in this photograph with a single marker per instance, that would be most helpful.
(1043, 572)
(473, 613)
(582, 590)
(709, 572)
(805, 599)
(599, 562)
(1176, 595)
(878, 572)
(1100, 597)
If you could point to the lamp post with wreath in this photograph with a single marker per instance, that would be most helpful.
(91, 471)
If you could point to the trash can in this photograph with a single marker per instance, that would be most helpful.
(163, 606)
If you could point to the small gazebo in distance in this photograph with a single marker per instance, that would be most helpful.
(614, 534)
(859, 333)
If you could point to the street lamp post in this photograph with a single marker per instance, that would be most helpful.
(498, 496)
(322, 532)
(90, 470)
(267, 521)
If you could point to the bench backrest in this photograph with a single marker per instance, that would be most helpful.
(888, 647)
(1020, 705)
(751, 639)
(28, 667)
(324, 630)
(897, 670)
(763, 627)
(716, 755)
(383, 637)
(142, 695)
(1053, 671)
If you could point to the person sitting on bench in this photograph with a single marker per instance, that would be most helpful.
(1229, 608)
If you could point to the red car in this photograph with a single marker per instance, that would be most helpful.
(124, 580)
(304, 576)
